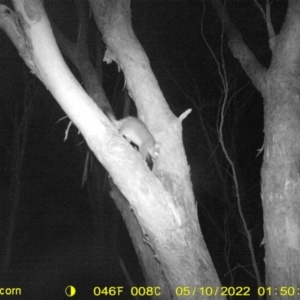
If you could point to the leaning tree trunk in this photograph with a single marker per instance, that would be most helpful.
(161, 202)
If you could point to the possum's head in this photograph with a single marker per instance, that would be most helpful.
(154, 150)
(152, 153)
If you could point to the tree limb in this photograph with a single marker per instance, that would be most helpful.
(239, 49)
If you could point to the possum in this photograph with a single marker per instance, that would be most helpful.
(136, 132)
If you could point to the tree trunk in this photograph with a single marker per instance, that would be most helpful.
(160, 202)
(279, 86)
(281, 181)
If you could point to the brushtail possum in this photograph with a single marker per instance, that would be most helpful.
(136, 132)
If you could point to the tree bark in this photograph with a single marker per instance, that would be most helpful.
(162, 201)
(280, 173)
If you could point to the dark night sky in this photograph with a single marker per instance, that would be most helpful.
(54, 225)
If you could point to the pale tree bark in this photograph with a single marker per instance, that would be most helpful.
(279, 86)
(78, 54)
(161, 202)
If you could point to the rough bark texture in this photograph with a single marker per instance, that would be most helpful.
(162, 201)
(279, 86)
(175, 244)
(281, 182)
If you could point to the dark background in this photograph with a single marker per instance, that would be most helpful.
(55, 241)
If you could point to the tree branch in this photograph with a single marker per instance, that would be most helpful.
(78, 54)
(267, 17)
(239, 49)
